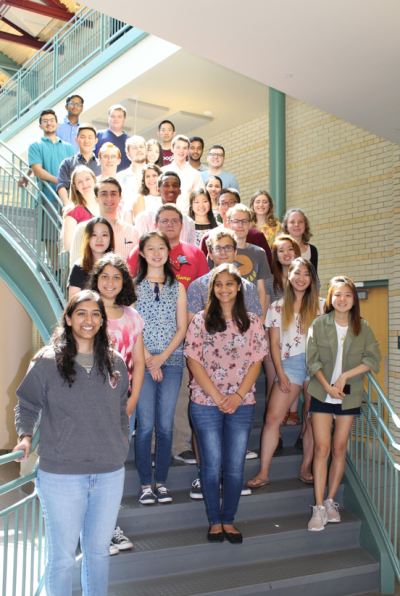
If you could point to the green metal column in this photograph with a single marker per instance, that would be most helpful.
(277, 150)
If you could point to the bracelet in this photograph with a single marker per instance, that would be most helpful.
(239, 395)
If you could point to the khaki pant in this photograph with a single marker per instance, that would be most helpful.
(182, 440)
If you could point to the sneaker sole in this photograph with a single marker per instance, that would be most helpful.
(245, 493)
(186, 461)
(112, 554)
(252, 456)
(196, 496)
(166, 500)
(333, 521)
(146, 502)
(123, 546)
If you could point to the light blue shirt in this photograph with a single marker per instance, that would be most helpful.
(228, 179)
(49, 155)
(67, 132)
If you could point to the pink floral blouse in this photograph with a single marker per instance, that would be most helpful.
(292, 340)
(124, 333)
(226, 356)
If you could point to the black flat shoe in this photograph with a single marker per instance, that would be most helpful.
(233, 538)
(215, 536)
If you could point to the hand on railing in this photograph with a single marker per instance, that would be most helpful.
(23, 181)
(24, 445)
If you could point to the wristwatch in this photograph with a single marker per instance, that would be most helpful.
(24, 435)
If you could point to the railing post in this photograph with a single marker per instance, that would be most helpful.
(55, 62)
(19, 93)
(39, 205)
(103, 24)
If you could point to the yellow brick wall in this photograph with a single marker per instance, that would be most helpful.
(347, 180)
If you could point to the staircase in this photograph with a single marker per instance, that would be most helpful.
(171, 555)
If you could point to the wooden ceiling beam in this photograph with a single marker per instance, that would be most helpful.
(22, 40)
(49, 11)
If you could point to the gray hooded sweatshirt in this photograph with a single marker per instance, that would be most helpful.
(83, 428)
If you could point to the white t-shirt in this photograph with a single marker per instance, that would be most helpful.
(292, 340)
(337, 371)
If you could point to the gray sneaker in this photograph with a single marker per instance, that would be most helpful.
(332, 511)
(319, 519)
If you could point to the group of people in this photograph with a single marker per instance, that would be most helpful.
(169, 268)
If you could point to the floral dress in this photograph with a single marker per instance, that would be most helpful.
(292, 340)
(270, 232)
(226, 356)
(124, 333)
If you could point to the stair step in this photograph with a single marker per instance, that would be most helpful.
(275, 499)
(181, 475)
(166, 553)
(341, 573)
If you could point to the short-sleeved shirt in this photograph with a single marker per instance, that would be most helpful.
(79, 214)
(160, 318)
(188, 262)
(228, 179)
(254, 237)
(68, 132)
(269, 289)
(69, 164)
(226, 356)
(270, 232)
(78, 276)
(190, 180)
(124, 333)
(198, 292)
(201, 229)
(168, 157)
(252, 263)
(107, 136)
(292, 340)
(49, 155)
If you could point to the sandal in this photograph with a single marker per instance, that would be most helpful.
(259, 480)
(285, 418)
(306, 478)
(293, 419)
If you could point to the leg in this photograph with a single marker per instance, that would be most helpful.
(104, 498)
(208, 425)
(64, 499)
(279, 404)
(182, 431)
(145, 413)
(321, 425)
(167, 395)
(308, 439)
(270, 372)
(339, 447)
(236, 431)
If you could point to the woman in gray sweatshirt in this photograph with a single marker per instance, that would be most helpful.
(79, 385)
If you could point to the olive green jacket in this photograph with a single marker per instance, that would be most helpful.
(321, 353)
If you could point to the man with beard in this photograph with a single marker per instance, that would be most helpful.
(196, 149)
(131, 178)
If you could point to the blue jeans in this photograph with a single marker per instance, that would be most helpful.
(79, 505)
(222, 440)
(156, 406)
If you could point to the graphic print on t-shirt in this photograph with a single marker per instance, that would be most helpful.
(246, 267)
(179, 265)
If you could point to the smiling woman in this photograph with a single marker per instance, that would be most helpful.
(80, 477)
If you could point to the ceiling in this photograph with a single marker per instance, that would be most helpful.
(186, 82)
(342, 57)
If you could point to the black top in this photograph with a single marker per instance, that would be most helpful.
(314, 257)
(77, 277)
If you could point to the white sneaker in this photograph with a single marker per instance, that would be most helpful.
(332, 511)
(120, 541)
(251, 454)
(114, 550)
(319, 519)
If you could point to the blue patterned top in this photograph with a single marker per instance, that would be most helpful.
(160, 319)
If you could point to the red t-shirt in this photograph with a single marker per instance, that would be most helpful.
(253, 237)
(188, 262)
(168, 157)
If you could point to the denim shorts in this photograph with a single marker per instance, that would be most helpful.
(321, 407)
(295, 369)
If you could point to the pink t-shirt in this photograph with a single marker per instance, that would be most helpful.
(226, 356)
(124, 333)
(80, 214)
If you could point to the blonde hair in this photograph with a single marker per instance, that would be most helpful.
(75, 198)
(309, 309)
(239, 207)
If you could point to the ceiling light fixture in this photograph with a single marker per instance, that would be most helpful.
(207, 113)
(288, 76)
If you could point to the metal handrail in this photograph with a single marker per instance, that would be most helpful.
(24, 550)
(85, 36)
(32, 214)
(372, 454)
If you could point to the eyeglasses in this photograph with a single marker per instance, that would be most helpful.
(218, 249)
(212, 154)
(75, 103)
(166, 222)
(47, 121)
(239, 221)
(112, 157)
(230, 203)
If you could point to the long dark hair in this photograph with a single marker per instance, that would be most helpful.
(214, 320)
(210, 215)
(342, 280)
(127, 295)
(141, 270)
(65, 346)
(160, 160)
(277, 269)
(309, 309)
(87, 259)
